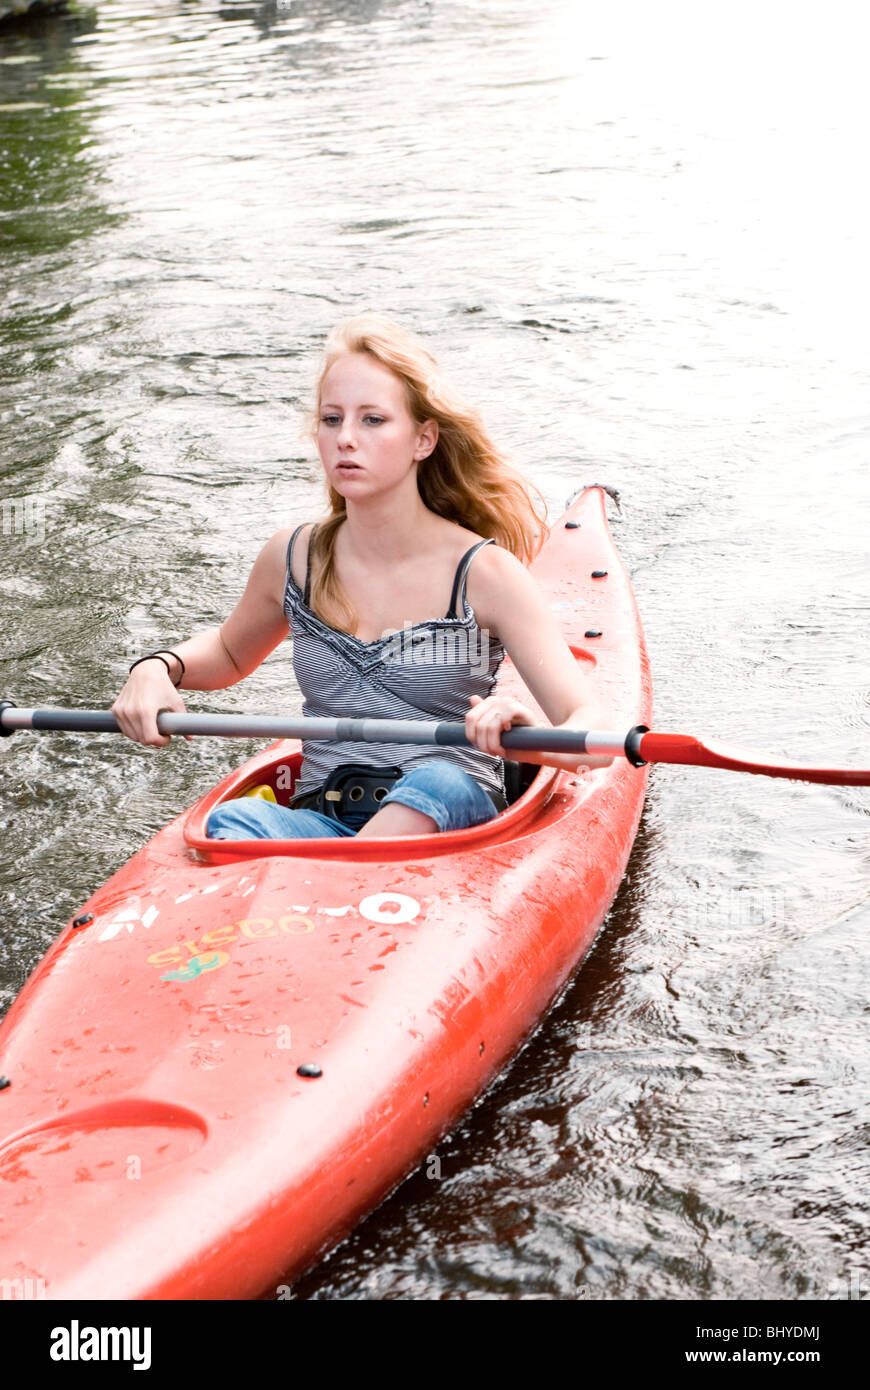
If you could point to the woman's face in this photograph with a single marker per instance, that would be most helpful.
(366, 436)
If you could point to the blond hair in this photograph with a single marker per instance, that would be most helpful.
(465, 479)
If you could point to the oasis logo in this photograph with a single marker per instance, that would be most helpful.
(76, 1343)
(211, 950)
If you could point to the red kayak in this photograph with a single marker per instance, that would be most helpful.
(236, 1049)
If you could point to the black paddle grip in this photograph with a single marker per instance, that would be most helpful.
(632, 745)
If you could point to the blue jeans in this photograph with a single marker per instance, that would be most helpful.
(437, 787)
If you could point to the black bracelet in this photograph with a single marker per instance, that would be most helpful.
(152, 656)
(170, 652)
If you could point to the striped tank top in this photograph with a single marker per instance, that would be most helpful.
(429, 670)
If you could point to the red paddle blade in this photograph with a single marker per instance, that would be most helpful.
(683, 748)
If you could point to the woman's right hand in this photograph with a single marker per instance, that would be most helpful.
(146, 692)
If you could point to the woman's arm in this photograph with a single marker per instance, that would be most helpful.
(213, 659)
(511, 605)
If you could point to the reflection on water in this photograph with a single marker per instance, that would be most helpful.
(639, 280)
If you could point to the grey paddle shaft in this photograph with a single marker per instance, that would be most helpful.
(345, 730)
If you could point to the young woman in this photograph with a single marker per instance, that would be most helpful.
(401, 604)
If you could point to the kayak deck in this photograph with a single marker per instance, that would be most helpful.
(246, 1045)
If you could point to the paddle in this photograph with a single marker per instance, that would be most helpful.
(639, 745)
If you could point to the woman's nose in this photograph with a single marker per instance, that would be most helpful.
(346, 435)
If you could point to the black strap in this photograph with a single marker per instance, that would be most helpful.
(307, 594)
(462, 572)
(290, 545)
(317, 801)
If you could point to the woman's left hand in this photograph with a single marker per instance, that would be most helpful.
(487, 719)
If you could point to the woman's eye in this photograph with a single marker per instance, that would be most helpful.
(330, 419)
(374, 419)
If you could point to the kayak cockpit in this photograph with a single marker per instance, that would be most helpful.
(272, 776)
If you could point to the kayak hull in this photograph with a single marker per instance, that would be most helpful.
(249, 1044)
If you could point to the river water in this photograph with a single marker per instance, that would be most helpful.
(638, 239)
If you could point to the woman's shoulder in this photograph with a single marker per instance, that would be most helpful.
(269, 574)
(496, 579)
(460, 539)
(495, 555)
(279, 546)
(495, 574)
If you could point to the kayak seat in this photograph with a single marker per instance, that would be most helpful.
(267, 786)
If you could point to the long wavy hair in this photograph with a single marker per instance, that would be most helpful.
(465, 479)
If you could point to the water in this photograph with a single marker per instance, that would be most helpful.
(638, 239)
